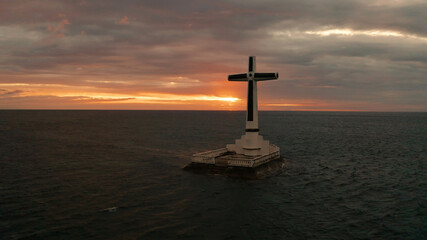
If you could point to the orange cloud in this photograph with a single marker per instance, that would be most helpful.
(284, 104)
(60, 28)
(58, 31)
(124, 20)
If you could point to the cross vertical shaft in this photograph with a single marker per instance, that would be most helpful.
(252, 100)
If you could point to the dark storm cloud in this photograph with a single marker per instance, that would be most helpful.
(149, 42)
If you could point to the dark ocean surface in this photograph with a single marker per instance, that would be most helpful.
(117, 175)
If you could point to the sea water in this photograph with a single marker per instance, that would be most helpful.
(117, 175)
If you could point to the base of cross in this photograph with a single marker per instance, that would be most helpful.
(232, 164)
(251, 144)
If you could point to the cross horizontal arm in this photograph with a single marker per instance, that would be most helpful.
(265, 76)
(238, 77)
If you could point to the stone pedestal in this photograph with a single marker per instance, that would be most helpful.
(251, 144)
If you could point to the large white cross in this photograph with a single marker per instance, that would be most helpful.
(251, 143)
(252, 77)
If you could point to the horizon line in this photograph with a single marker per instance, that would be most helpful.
(209, 110)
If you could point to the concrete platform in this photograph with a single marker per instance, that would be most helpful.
(223, 162)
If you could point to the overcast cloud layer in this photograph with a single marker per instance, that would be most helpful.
(330, 54)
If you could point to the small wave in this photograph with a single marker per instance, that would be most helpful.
(110, 209)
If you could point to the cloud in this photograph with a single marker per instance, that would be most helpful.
(324, 50)
(7, 94)
(124, 20)
(96, 101)
(59, 30)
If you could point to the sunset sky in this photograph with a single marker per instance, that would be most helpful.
(363, 55)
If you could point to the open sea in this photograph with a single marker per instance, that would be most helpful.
(117, 175)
